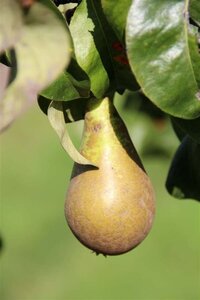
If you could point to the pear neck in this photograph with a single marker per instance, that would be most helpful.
(99, 109)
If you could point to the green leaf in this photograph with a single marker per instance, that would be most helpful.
(57, 121)
(159, 54)
(98, 51)
(195, 10)
(42, 52)
(183, 179)
(11, 24)
(71, 84)
(84, 28)
(66, 88)
(116, 14)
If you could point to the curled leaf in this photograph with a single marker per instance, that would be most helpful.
(57, 121)
(73, 110)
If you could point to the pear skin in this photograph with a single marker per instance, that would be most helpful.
(110, 209)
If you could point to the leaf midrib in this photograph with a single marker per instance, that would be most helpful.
(104, 36)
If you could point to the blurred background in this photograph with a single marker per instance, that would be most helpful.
(39, 256)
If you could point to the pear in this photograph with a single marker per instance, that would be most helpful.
(109, 209)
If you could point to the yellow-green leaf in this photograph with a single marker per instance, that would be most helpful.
(42, 52)
(57, 121)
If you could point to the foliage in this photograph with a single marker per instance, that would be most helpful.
(98, 48)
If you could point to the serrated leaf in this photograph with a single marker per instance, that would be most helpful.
(183, 179)
(116, 14)
(42, 53)
(57, 121)
(11, 23)
(158, 51)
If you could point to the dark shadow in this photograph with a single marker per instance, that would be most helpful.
(14, 66)
(43, 103)
(73, 110)
(1, 244)
(4, 60)
(76, 71)
(123, 136)
(76, 108)
(79, 169)
(184, 175)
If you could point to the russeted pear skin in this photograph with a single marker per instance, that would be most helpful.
(110, 209)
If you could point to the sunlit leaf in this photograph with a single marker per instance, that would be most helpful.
(84, 29)
(57, 121)
(158, 50)
(42, 53)
(98, 50)
(183, 179)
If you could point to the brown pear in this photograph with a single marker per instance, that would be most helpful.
(110, 209)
